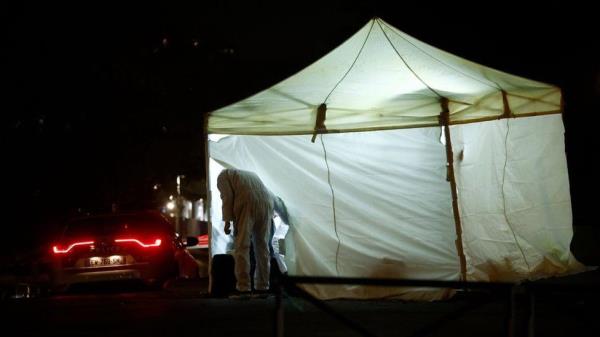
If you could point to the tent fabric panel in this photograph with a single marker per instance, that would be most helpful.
(513, 193)
(486, 106)
(525, 102)
(410, 199)
(448, 66)
(392, 205)
(378, 80)
(439, 71)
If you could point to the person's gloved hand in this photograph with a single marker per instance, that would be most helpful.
(228, 227)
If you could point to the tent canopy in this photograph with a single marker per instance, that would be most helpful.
(381, 78)
(377, 202)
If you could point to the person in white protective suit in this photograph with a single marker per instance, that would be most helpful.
(249, 205)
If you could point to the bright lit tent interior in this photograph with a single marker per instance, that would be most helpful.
(356, 146)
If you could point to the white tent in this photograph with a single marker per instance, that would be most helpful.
(397, 159)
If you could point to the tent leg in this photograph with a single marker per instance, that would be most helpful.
(445, 121)
(207, 204)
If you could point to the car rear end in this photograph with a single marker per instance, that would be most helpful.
(115, 247)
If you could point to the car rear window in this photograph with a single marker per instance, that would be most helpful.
(118, 224)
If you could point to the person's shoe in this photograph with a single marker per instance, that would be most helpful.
(240, 295)
(261, 294)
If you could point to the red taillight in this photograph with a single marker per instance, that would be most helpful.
(154, 243)
(203, 240)
(60, 250)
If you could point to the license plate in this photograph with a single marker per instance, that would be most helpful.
(100, 261)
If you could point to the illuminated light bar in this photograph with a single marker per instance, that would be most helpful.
(156, 243)
(203, 240)
(57, 250)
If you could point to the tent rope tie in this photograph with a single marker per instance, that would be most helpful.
(506, 113)
(337, 250)
(320, 121)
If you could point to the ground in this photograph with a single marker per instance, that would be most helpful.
(185, 308)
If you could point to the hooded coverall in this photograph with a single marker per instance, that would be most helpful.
(249, 204)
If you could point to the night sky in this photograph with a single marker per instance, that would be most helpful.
(101, 101)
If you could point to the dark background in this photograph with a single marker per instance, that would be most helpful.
(101, 101)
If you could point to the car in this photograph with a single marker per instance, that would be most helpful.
(111, 247)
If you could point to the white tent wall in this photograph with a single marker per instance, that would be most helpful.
(513, 192)
(393, 208)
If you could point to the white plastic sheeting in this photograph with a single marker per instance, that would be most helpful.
(513, 191)
(382, 78)
(393, 210)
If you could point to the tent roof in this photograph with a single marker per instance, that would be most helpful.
(382, 78)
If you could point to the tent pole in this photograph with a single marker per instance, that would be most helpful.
(207, 204)
(445, 122)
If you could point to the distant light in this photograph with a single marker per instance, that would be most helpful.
(155, 187)
(195, 43)
(165, 42)
(170, 205)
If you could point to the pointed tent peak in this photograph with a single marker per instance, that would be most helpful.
(376, 18)
(383, 78)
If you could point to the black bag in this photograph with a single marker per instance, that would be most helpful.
(223, 277)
